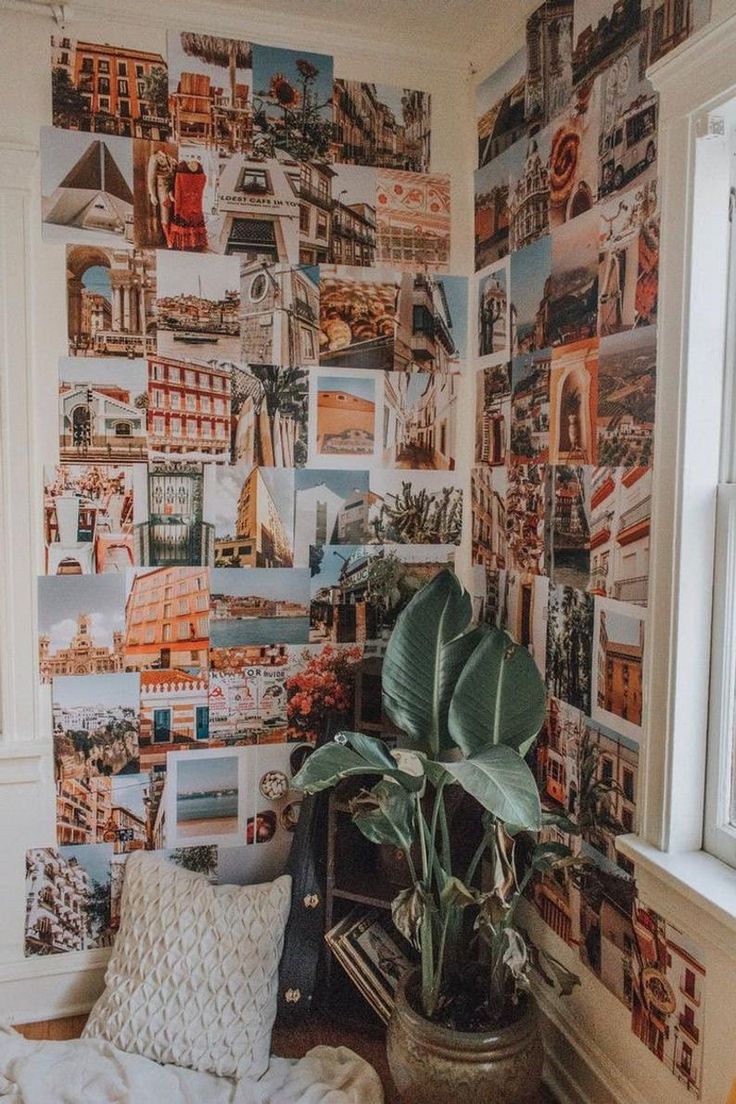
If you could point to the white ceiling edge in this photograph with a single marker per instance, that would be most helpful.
(361, 39)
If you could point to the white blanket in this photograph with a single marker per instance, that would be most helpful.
(92, 1071)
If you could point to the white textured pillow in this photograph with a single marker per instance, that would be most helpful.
(193, 975)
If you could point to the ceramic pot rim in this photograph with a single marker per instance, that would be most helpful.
(473, 1045)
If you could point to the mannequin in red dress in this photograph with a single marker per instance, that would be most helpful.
(188, 229)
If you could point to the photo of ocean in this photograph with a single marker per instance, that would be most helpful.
(259, 630)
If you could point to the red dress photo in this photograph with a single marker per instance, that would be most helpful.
(188, 229)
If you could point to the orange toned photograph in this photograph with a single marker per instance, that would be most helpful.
(346, 416)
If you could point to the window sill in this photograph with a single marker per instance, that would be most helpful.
(704, 882)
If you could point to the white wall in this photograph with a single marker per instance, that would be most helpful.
(593, 1054)
(33, 321)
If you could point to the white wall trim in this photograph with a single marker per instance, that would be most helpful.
(276, 28)
(18, 678)
(44, 966)
(577, 1069)
(23, 761)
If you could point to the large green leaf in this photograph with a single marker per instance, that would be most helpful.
(499, 697)
(386, 815)
(499, 779)
(332, 762)
(419, 671)
(370, 748)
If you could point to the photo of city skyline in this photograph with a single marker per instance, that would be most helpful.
(198, 305)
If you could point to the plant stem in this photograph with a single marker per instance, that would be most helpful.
(427, 935)
(440, 957)
(438, 803)
(478, 855)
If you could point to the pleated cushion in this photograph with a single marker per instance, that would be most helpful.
(193, 975)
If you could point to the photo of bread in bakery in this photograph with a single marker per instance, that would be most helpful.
(352, 312)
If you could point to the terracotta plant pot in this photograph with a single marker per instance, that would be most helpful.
(431, 1064)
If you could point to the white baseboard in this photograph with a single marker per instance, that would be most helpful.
(51, 987)
(576, 1069)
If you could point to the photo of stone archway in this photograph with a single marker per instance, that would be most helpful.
(111, 295)
(573, 390)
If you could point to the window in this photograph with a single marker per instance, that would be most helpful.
(123, 88)
(253, 180)
(88, 65)
(161, 726)
(103, 86)
(720, 833)
(103, 65)
(307, 343)
(122, 68)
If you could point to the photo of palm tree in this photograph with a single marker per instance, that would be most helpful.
(570, 645)
(270, 410)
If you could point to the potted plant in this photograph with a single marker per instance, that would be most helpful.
(470, 703)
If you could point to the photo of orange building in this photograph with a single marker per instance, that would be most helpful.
(346, 415)
(167, 619)
(109, 89)
(617, 664)
(254, 517)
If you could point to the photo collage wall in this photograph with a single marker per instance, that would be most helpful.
(566, 256)
(256, 445)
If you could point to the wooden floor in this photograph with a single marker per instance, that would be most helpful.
(291, 1043)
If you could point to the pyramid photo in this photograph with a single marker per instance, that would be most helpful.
(94, 194)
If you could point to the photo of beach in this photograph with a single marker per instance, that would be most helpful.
(259, 606)
(206, 795)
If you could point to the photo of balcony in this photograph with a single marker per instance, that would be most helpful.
(621, 506)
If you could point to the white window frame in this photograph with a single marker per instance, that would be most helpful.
(719, 833)
(696, 84)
